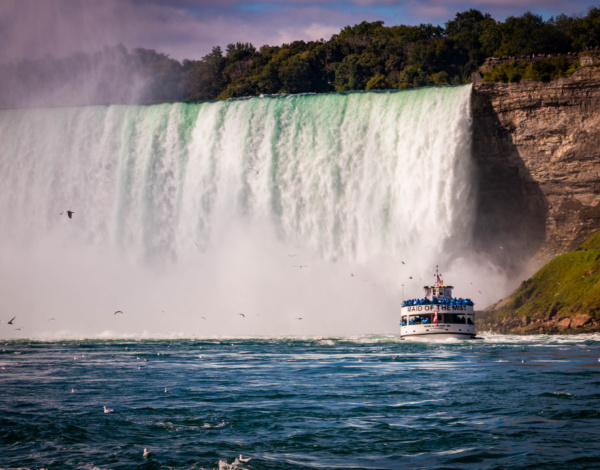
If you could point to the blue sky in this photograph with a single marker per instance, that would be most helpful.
(190, 28)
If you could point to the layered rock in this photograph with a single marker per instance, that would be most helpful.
(551, 324)
(536, 148)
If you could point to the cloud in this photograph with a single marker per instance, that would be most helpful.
(191, 28)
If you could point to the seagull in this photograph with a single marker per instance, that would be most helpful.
(69, 213)
(19, 329)
(50, 319)
(166, 390)
(299, 318)
(254, 170)
(72, 390)
(10, 322)
(242, 315)
(242, 459)
(410, 277)
(203, 318)
(107, 410)
(402, 262)
(146, 453)
(118, 311)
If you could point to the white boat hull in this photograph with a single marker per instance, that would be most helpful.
(437, 336)
(452, 322)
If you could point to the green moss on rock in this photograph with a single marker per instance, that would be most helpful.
(566, 288)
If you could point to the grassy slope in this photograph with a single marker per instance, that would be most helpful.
(569, 284)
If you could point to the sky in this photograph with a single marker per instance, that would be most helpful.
(189, 29)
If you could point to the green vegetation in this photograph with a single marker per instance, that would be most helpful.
(366, 56)
(569, 284)
(543, 70)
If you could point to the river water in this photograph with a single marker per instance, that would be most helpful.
(371, 402)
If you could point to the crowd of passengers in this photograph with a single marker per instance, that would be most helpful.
(426, 301)
(447, 318)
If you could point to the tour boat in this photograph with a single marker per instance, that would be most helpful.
(438, 315)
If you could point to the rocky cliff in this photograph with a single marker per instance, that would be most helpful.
(536, 148)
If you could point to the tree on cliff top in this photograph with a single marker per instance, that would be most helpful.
(367, 55)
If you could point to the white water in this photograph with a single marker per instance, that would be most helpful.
(172, 222)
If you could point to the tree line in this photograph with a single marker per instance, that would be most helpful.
(366, 56)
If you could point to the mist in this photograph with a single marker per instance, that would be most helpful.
(112, 75)
(296, 215)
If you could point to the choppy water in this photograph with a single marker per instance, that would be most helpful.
(364, 402)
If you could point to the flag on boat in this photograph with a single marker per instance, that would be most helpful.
(435, 317)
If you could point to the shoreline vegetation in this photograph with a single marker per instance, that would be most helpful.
(366, 56)
(561, 298)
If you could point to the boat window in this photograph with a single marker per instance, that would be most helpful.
(470, 319)
(404, 320)
(454, 318)
(420, 319)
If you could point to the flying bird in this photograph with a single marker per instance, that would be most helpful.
(10, 322)
(402, 262)
(203, 318)
(299, 318)
(254, 170)
(146, 453)
(242, 315)
(69, 213)
(107, 410)
(19, 329)
(50, 319)
(118, 311)
(410, 277)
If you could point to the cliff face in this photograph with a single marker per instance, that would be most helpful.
(536, 148)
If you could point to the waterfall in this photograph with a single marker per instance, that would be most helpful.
(271, 206)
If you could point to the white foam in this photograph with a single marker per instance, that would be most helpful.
(169, 218)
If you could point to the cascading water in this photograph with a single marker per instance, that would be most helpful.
(317, 207)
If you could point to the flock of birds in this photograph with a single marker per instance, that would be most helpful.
(147, 454)
(70, 213)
